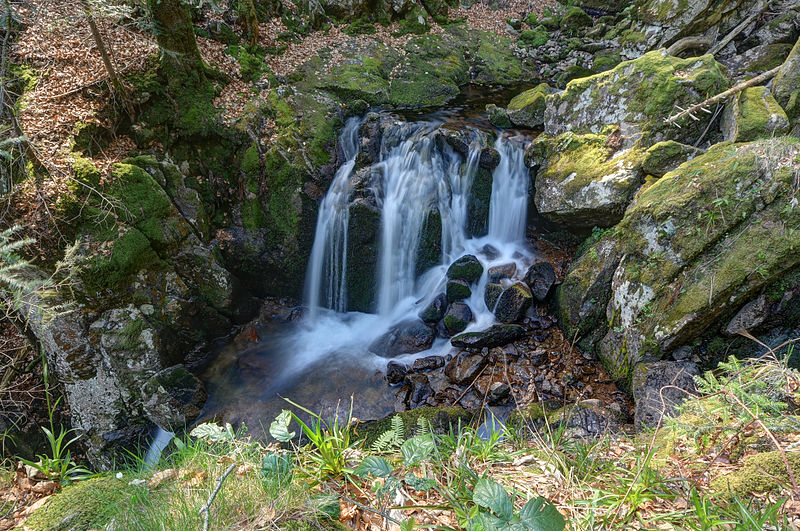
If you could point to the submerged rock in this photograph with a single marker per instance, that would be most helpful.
(540, 278)
(434, 312)
(753, 114)
(457, 318)
(513, 302)
(407, 337)
(467, 268)
(494, 336)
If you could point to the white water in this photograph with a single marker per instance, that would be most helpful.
(160, 442)
(417, 174)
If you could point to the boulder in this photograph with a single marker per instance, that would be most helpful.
(527, 108)
(753, 114)
(663, 157)
(786, 85)
(458, 290)
(465, 367)
(513, 302)
(759, 59)
(575, 18)
(174, 397)
(494, 336)
(659, 387)
(491, 294)
(641, 94)
(692, 249)
(586, 180)
(420, 390)
(457, 318)
(498, 393)
(751, 316)
(428, 363)
(434, 312)
(407, 337)
(540, 278)
(396, 372)
(499, 272)
(467, 268)
(498, 116)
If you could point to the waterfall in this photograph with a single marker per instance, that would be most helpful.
(509, 202)
(326, 282)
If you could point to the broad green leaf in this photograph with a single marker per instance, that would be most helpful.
(416, 449)
(377, 466)
(540, 515)
(212, 432)
(486, 522)
(279, 429)
(275, 464)
(493, 496)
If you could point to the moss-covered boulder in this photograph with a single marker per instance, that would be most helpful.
(763, 472)
(494, 61)
(786, 85)
(692, 249)
(458, 290)
(574, 19)
(467, 268)
(669, 20)
(753, 114)
(364, 73)
(457, 318)
(527, 108)
(513, 302)
(641, 93)
(498, 116)
(585, 180)
(665, 156)
(431, 73)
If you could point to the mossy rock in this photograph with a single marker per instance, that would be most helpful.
(457, 290)
(664, 157)
(89, 504)
(498, 116)
(786, 85)
(534, 38)
(440, 419)
(467, 268)
(478, 203)
(364, 75)
(527, 108)
(753, 114)
(494, 62)
(575, 18)
(642, 92)
(606, 60)
(764, 472)
(86, 172)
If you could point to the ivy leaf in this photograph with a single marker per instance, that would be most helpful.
(377, 466)
(416, 449)
(540, 515)
(493, 496)
(279, 429)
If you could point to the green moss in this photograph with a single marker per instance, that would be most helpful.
(89, 504)
(763, 472)
(441, 420)
(533, 97)
(535, 37)
(430, 75)
(756, 114)
(458, 290)
(632, 37)
(360, 26)
(145, 204)
(130, 253)
(606, 60)
(86, 172)
(575, 18)
(665, 156)
(495, 62)
(253, 216)
(251, 162)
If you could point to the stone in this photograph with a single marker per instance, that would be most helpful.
(465, 367)
(396, 372)
(467, 268)
(458, 290)
(494, 336)
(498, 116)
(408, 337)
(527, 108)
(420, 390)
(663, 157)
(499, 272)
(498, 393)
(457, 318)
(759, 59)
(434, 312)
(751, 316)
(173, 398)
(753, 114)
(491, 294)
(786, 85)
(513, 302)
(659, 387)
(575, 18)
(540, 279)
(641, 93)
(427, 363)
(589, 419)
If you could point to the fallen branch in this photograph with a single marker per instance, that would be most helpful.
(690, 43)
(205, 509)
(703, 105)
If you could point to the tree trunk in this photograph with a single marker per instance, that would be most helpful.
(249, 20)
(175, 36)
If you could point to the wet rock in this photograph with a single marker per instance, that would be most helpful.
(540, 278)
(753, 114)
(659, 387)
(589, 419)
(427, 363)
(496, 273)
(467, 268)
(498, 116)
(491, 294)
(407, 337)
(540, 322)
(465, 367)
(513, 302)
(751, 316)
(498, 393)
(396, 372)
(527, 109)
(490, 251)
(457, 318)
(420, 390)
(663, 157)
(458, 290)
(494, 336)
(435, 311)
(173, 398)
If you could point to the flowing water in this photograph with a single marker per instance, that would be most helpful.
(325, 356)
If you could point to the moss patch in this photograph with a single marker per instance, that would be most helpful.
(762, 472)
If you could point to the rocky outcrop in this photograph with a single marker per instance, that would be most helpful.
(753, 114)
(786, 85)
(692, 249)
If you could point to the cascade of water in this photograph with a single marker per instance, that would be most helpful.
(326, 282)
(508, 207)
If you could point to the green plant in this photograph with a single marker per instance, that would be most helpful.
(494, 509)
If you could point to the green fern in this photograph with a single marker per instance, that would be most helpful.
(392, 438)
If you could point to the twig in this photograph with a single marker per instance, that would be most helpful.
(204, 510)
(724, 95)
